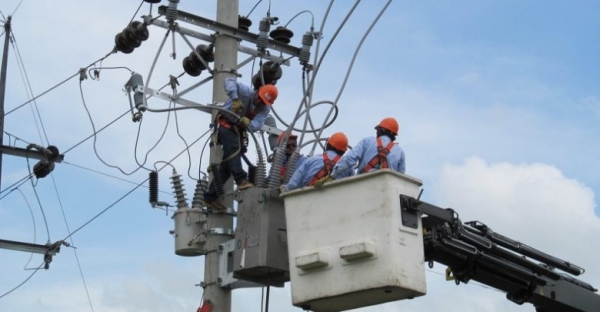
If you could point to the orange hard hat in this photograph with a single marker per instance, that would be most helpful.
(268, 94)
(339, 141)
(282, 135)
(390, 124)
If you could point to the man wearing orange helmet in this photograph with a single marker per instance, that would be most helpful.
(289, 149)
(372, 153)
(247, 109)
(319, 166)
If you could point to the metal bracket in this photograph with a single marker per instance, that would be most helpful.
(408, 212)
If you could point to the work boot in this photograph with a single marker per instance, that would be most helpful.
(244, 184)
(216, 206)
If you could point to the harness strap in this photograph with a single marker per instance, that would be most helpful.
(327, 167)
(251, 114)
(381, 157)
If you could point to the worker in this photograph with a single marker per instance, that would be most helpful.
(289, 149)
(316, 167)
(372, 153)
(246, 109)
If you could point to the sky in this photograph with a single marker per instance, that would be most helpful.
(499, 114)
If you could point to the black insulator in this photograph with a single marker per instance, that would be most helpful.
(52, 153)
(152, 1)
(252, 174)
(217, 179)
(138, 30)
(271, 72)
(281, 34)
(206, 52)
(190, 67)
(122, 44)
(43, 168)
(153, 181)
(244, 23)
(131, 37)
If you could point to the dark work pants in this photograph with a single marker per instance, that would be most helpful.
(231, 145)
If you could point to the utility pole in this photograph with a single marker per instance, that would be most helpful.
(3, 85)
(224, 66)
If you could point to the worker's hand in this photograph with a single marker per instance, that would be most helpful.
(282, 189)
(323, 180)
(237, 106)
(244, 122)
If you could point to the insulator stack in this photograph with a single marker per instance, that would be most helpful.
(201, 187)
(260, 175)
(270, 72)
(171, 13)
(307, 42)
(244, 23)
(281, 34)
(153, 181)
(261, 41)
(217, 179)
(178, 190)
(193, 65)
(275, 173)
(131, 37)
(291, 166)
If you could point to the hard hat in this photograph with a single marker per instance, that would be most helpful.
(339, 141)
(282, 135)
(268, 94)
(390, 124)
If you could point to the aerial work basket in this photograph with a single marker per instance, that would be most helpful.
(347, 245)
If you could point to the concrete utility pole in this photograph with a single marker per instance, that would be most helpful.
(224, 66)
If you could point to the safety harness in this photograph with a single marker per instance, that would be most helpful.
(228, 123)
(327, 167)
(381, 157)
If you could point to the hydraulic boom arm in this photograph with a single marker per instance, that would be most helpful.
(472, 251)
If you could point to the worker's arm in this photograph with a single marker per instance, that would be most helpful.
(401, 164)
(259, 119)
(298, 177)
(345, 166)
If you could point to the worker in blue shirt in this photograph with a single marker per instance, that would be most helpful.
(247, 109)
(316, 167)
(372, 153)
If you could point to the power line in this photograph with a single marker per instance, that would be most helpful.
(59, 84)
(22, 283)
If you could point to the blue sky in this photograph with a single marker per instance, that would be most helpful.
(499, 113)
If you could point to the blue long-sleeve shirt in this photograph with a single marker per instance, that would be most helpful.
(244, 93)
(362, 154)
(308, 170)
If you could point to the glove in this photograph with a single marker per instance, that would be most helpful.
(282, 189)
(237, 106)
(244, 122)
(323, 180)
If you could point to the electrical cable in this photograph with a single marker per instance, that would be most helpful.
(22, 181)
(62, 210)
(28, 89)
(351, 65)
(136, 12)
(59, 84)
(23, 282)
(94, 132)
(34, 227)
(39, 202)
(18, 5)
(125, 195)
(187, 148)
